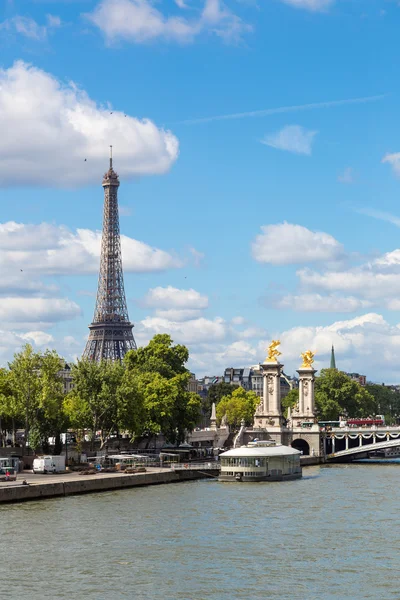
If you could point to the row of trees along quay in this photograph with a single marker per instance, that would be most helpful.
(144, 395)
(147, 394)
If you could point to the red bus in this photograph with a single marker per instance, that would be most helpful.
(365, 422)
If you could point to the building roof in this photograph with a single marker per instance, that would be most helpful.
(274, 450)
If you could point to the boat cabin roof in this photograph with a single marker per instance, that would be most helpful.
(261, 450)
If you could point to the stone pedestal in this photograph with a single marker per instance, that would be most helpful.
(269, 413)
(213, 420)
(305, 410)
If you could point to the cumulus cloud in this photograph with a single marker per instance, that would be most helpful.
(292, 138)
(366, 283)
(286, 243)
(12, 341)
(19, 311)
(139, 21)
(194, 331)
(319, 303)
(39, 115)
(311, 5)
(55, 250)
(174, 298)
(367, 344)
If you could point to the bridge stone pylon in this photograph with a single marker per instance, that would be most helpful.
(305, 409)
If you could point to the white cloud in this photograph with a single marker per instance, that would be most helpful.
(20, 311)
(238, 320)
(55, 250)
(139, 21)
(11, 341)
(53, 21)
(312, 5)
(38, 338)
(366, 283)
(394, 161)
(189, 332)
(213, 359)
(174, 298)
(29, 28)
(292, 138)
(319, 303)
(366, 344)
(388, 260)
(347, 176)
(286, 243)
(175, 314)
(39, 115)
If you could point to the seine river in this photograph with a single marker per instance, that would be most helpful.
(333, 534)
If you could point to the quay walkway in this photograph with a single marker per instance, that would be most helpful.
(66, 484)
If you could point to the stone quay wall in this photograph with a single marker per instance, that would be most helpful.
(97, 483)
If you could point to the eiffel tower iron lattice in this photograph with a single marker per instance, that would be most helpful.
(110, 335)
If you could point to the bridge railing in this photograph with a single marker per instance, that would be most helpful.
(367, 428)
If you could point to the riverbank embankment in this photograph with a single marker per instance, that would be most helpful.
(66, 484)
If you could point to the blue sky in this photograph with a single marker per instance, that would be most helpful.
(265, 223)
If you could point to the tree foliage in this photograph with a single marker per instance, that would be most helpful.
(215, 393)
(238, 406)
(145, 394)
(336, 394)
(162, 380)
(387, 401)
(290, 401)
(94, 401)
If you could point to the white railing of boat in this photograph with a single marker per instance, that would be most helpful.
(196, 466)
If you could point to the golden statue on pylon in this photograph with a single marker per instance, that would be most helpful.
(273, 351)
(308, 359)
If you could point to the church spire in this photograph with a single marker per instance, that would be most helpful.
(333, 361)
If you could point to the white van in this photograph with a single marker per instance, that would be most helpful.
(49, 464)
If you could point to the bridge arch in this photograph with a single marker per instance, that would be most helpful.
(301, 445)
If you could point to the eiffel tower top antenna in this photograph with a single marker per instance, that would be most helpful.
(111, 157)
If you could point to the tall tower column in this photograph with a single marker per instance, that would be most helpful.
(269, 413)
(110, 335)
(305, 410)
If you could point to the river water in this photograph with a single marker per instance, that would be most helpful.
(333, 534)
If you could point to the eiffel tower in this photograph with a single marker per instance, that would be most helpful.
(110, 335)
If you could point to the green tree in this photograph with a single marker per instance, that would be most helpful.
(159, 356)
(336, 394)
(290, 401)
(25, 382)
(10, 409)
(216, 392)
(93, 402)
(240, 405)
(163, 380)
(51, 418)
(387, 400)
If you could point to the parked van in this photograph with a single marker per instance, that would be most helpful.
(49, 464)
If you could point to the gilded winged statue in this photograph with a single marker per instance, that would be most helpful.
(308, 359)
(273, 351)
